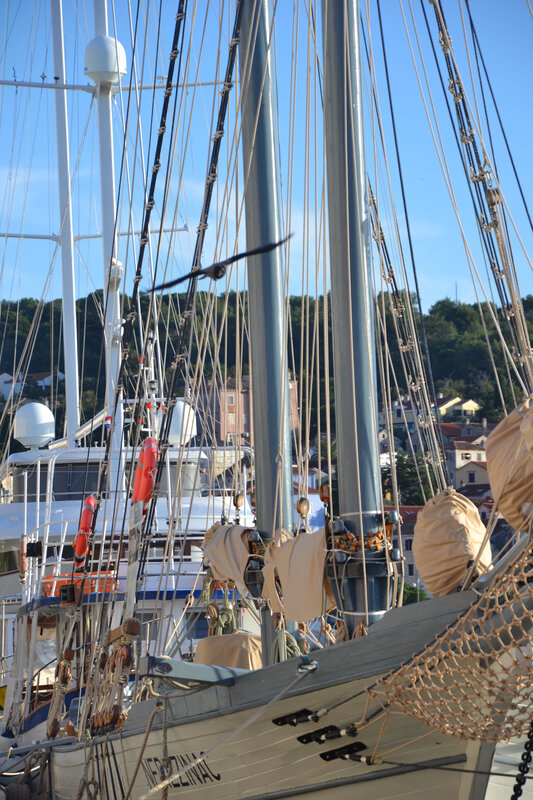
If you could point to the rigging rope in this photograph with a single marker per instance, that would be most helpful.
(490, 210)
(183, 334)
(411, 359)
(429, 371)
(479, 52)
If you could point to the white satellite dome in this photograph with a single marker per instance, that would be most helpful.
(105, 60)
(183, 427)
(34, 425)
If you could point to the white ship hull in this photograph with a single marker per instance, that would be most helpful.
(265, 761)
(222, 743)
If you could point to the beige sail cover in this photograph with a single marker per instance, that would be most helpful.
(299, 563)
(270, 591)
(240, 649)
(226, 553)
(510, 465)
(448, 535)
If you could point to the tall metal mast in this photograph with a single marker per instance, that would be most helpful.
(105, 63)
(351, 290)
(269, 373)
(270, 382)
(70, 338)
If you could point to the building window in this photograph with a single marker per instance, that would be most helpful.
(471, 477)
(231, 399)
(398, 413)
(466, 456)
(408, 544)
(395, 542)
(410, 570)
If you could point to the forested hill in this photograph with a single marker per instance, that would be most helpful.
(460, 358)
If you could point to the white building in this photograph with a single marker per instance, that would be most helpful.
(42, 379)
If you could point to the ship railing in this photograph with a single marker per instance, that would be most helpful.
(6, 662)
(53, 557)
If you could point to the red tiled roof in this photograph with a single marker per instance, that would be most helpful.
(39, 376)
(36, 376)
(450, 428)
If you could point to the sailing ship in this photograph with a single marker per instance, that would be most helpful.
(413, 700)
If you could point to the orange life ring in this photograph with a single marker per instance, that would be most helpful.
(143, 485)
(81, 540)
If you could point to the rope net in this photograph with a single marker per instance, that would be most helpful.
(475, 680)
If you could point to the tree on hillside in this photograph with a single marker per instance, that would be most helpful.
(412, 489)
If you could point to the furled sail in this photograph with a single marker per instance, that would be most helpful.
(510, 465)
(295, 563)
(299, 564)
(448, 537)
(226, 552)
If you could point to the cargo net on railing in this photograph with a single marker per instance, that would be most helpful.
(475, 680)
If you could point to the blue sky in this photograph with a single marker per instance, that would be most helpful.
(27, 147)
(504, 31)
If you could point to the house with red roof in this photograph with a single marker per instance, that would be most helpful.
(42, 379)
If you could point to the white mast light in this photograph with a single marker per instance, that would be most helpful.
(105, 60)
(34, 425)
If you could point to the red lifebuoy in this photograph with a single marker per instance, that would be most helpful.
(81, 540)
(23, 559)
(143, 485)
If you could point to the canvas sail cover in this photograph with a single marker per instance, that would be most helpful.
(299, 564)
(226, 552)
(240, 649)
(510, 465)
(448, 536)
(297, 561)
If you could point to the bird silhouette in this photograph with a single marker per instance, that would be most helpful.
(219, 268)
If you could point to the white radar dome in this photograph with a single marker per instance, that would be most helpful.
(183, 426)
(105, 60)
(34, 425)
